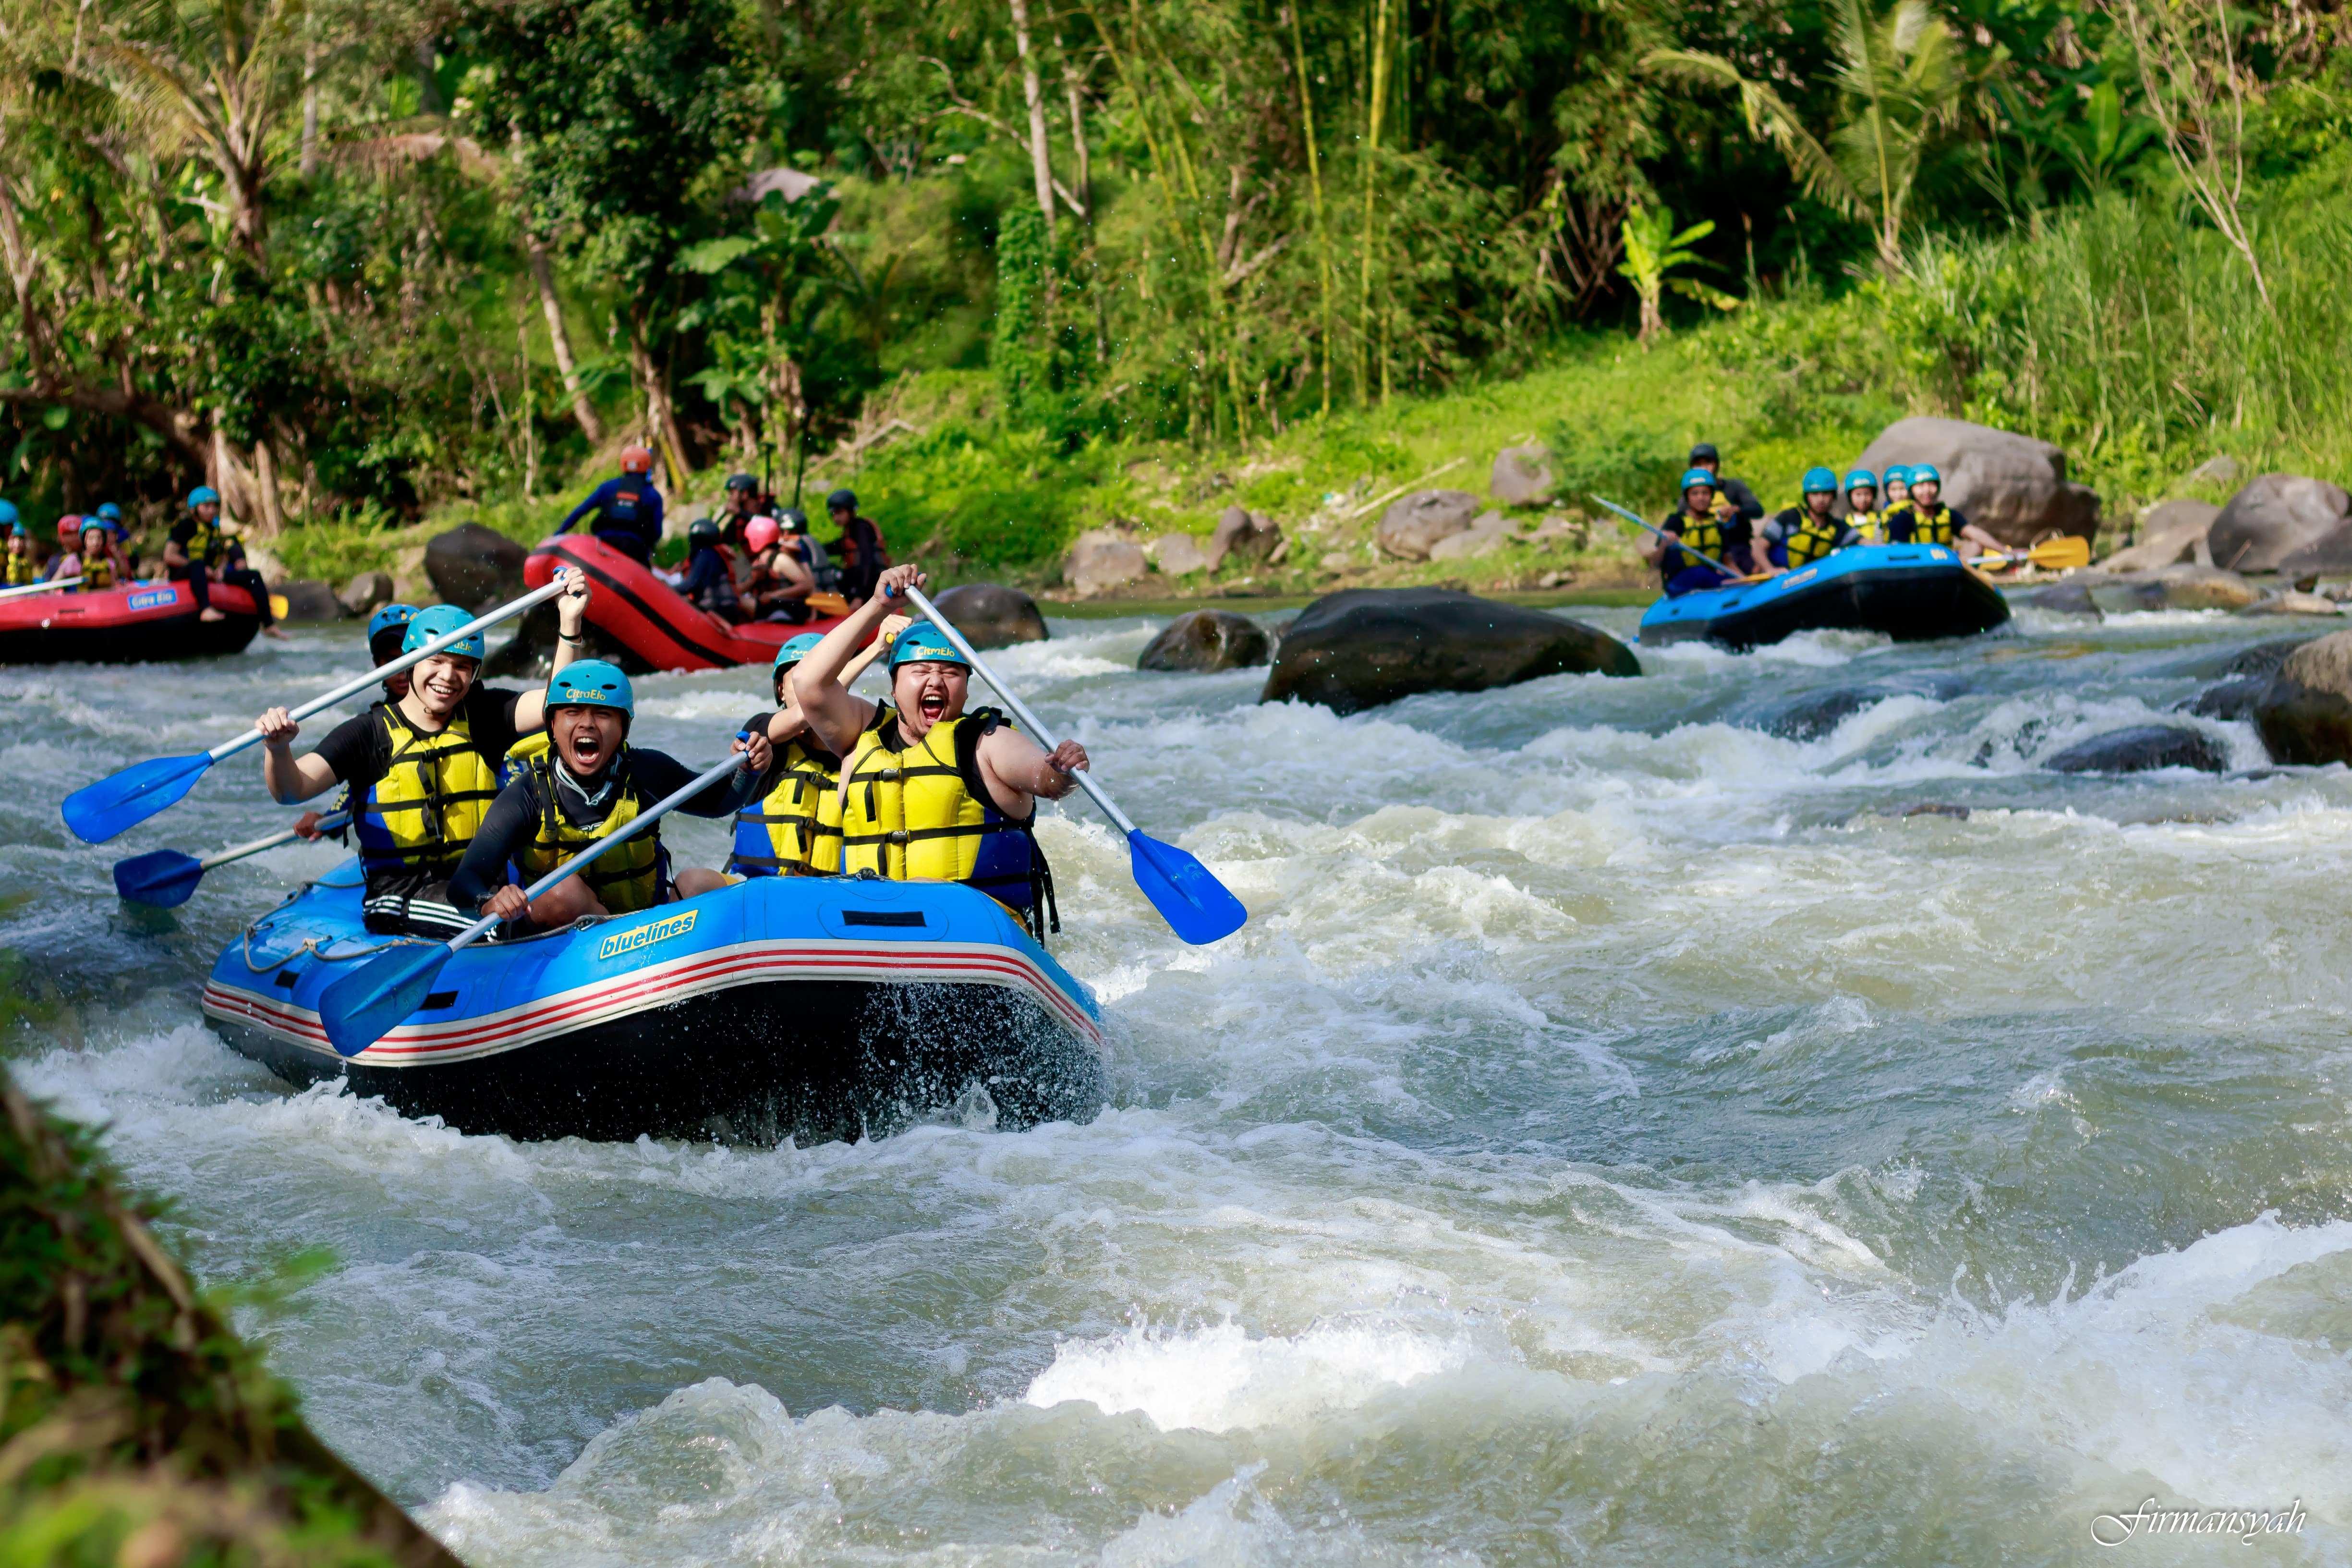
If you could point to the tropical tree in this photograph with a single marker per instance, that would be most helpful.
(1902, 84)
(1653, 250)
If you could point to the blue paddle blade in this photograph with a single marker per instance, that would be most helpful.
(163, 878)
(1196, 906)
(98, 812)
(374, 999)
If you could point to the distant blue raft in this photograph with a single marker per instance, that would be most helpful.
(1912, 593)
(808, 1007)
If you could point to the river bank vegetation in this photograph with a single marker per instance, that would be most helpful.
(1020, 269)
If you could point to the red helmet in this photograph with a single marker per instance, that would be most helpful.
(760, 532)
(637, 460)
(69, 530)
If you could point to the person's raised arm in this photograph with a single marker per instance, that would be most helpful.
(595, 499)
(571, 617)
(1013, 765)
(788, 722)
(290, 779)
(834, 713)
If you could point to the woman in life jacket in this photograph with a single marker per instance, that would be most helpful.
(422, 767)
(577, 784)
(97, 560)
(1923, 518)
(1800, 535)
(776, 585)
(1708, 529)
(793, 829)
(1862, 506)
(932, 789)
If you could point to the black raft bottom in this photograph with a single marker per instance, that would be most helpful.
(1914, 604)
(813, 1061)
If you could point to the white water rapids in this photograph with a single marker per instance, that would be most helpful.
(1627, 1131)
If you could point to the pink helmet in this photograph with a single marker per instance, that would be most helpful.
(760, 532)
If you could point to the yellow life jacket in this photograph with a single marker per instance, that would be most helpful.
(626, 880)
(1908, 523)
(97, 573)
(797, 828)
(205, 546)
(1871, 525)
(918, 812)
(1702, 534)
(1812, 539)
(23, 569)
(421, 814)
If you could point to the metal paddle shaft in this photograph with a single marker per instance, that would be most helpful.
(98, 812)
(1669, 538)
(370, 1002)
(27, 590)
(334, 823)
(167, 879)
(1196, 906)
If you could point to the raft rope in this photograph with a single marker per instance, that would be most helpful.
(311, 944)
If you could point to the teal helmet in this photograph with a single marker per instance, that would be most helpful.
(1820, 480)
(592, 683)
(387, 629)
(8, 515)
(924, 644)
(1898, 472)
(1926, 474)
(795, 650)
(1861, 479)
(439, 621)
(1694, 477)
(202, 494)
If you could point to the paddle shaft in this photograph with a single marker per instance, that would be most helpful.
(383, 672)
(270, 841)
(27, 590)
(1043, 736)
(629, 830)
(1669, 538)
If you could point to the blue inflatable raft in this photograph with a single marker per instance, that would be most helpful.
(1910, 592)
(780, 1008)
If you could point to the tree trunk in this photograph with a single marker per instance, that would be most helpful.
(1041, 152)
(1315, 183)
(542, 274)
(310, 164)
(660, 416)
(1375, 112)
(264, 476)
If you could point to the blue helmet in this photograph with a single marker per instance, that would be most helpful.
(112, 513)
(1821, 480)
(923, 642)
(592, 683)
(1926, 474)
(8, 515)
(1694, 476)
(1861, 479)
(1898, 472)
(390, 615)
(202, 494)
(795, 650)
(439, 621)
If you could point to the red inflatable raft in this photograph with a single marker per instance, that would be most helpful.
(634, 608)
(134, 624)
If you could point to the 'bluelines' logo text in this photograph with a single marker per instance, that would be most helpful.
(622, 941)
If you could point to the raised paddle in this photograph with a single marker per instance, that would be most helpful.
(2062, 553)
(370, 1002)
(98, 812)
(167, 879)
(27, 590)
(1196, 906)
(1670, 538)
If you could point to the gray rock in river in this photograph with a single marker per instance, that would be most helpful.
(474, 566)
(2230, 701)
(1208, 639)
(990, 615)
(1814, 714)
(2306, 714)
(2071, 598)
(308, 601)
(2141, 749)
(2171, 533)
(2279, 518)
(366, 592)
(1366, 646)
(2014, 485)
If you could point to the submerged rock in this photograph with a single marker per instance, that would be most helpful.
(2071, 598)
(2141, 749)
(2231, 700)
(1816, 714)
(475, 567)
(992, 615)
(2305, 713)
(1205, 640)
(1360, 648)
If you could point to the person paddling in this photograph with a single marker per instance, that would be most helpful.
(933, 790)
(199, 545)
(425, 765)
(1922, 518)
(794, 826)
(386, 629)
(585, 783)
(1707, 530)
(1730, 495)
(628, 510)
(1800, 535)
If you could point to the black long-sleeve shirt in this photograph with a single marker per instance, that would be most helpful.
(513, 818)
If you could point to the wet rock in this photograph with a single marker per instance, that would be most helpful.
(2282, 518)
(308, 601)
(2014, 486)
(2205, 588)
(474, 566)
(1102, 562)
(1410, 528)
(1486, 530)
(1205, 640)
(2071, 598)
(2172, 532)
(1816, 714)
(2123, 595)
(1247, 536)
(1177, 554)
(2141, 749)
(366, 592)
(2231, 700)
(1937, 808)
(2306, 714)
(2293, 603)
(1522, 476)
(993, 615)
(1360, 648)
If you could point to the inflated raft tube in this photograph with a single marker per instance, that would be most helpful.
(137, 623)
(1913, 593)
(657, 626)
(805, 1007)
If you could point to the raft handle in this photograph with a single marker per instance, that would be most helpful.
(883, 918)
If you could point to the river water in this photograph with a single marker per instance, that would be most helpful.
(1630, 1129)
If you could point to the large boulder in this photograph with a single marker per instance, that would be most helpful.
(1208, 639)
(1177, 554)
(2141, 749)
(310, 601)
(2278, 521)
(474, 566)
(1413, 526)
(366, 592)
(990, 615)
(1360, 648)
(2014, 486)
(2171, 533)
(1101, 562)
(2173, 588)
(1244, 535)
(1522, 477)
(1486, 530)
(2307, 714)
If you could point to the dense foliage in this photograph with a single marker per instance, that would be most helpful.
(351, 262)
